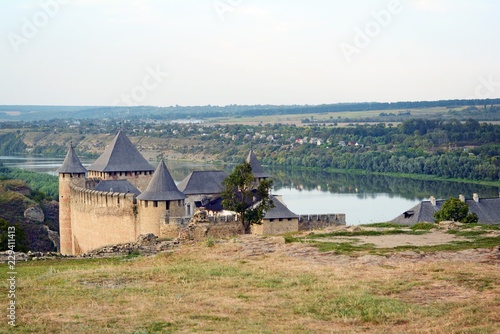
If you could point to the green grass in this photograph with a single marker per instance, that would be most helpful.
(353, 247)
(357, 305)
(343, 248)
(364, 233)
(467, 233)
(202, 289)
(387, 225)
(455, 245)
(423, 226)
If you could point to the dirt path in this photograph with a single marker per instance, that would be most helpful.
(391, 241)
(251, 246)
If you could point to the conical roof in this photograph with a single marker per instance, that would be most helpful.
(121, 156)
(161, 187)
(279, 210)
(257, 169)
(71, 163)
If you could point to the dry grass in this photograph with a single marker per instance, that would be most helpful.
(201, 289)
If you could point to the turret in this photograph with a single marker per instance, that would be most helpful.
(70, 172)
(122, 161)
(161, 200)
(257, 170)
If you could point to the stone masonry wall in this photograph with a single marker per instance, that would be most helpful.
(276, 227)
(102, 218)
(312, 222)
(201, 226)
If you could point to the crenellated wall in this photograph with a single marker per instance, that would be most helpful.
(140, 180)
(102, 218)
(99, 219)
(313, 222)
(107, 218)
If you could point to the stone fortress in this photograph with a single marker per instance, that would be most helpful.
(121, 196)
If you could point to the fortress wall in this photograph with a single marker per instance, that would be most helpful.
(153, 215)
(139, 179)
(102, 218)
(177, 209)
(65, 231)
(277, 226)
(217, 231)
(313, 222)
(200, 231)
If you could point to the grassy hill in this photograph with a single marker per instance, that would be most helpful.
(262, 285)
(15, 197)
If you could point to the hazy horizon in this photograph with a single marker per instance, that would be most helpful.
(246, 52)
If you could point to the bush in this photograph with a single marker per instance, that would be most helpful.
(455, 210)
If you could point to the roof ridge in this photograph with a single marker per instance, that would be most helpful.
(121, 156)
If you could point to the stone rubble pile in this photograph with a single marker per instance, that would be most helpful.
(146, 244)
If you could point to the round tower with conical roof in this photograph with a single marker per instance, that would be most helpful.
(71, 172)
(161, 200)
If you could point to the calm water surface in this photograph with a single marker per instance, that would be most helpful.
(363, 198)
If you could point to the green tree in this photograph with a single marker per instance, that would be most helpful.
(455, 210)
(246, 196)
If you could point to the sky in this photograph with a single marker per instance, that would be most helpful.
(222, 52)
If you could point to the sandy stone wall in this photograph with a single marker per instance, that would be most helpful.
(201, 230)
(99, 218)
(277, 226)
(65, 231)
(102, 218)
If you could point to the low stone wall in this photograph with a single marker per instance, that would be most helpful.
(276, 227)
(201, 226)
(200, 231)
(314, 222)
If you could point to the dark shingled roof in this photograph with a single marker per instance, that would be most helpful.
(257, 169)
(117, 186)
(203, 182)
(161, 187)
(121, 156)
(279, 211)
(487, 210)
(214, 204)
(71, 163)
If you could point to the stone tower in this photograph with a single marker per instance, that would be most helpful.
(122, 161)
(161, 200)
(71, 172)
(257, 170)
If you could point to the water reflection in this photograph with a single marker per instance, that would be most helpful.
(363, 198)
(368, 186)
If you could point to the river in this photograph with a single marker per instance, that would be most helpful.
(363, 198)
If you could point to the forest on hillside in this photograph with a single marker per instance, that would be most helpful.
(32, 113)
(444, 148)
